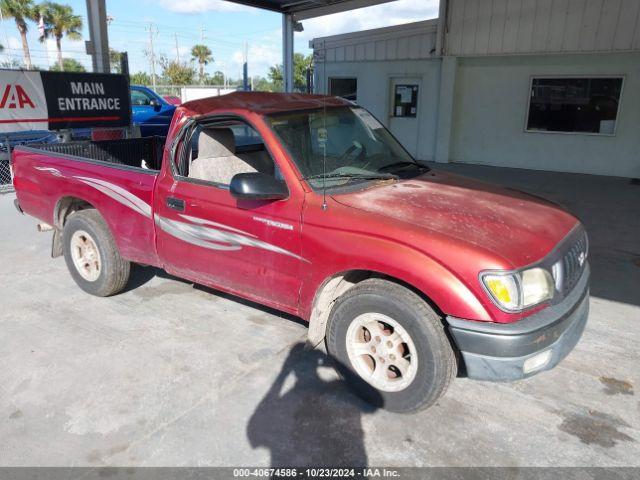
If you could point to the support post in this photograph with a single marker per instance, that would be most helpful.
(443, 20)
(245, 68)
(287, 52)
(446, 104)
(124, 64)
(98, 46)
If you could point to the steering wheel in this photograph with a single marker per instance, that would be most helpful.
(356, 146)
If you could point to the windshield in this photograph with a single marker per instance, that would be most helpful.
(356, 146)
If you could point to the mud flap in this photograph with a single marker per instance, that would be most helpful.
(56, 244)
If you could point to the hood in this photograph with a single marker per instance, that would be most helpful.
(518, 227)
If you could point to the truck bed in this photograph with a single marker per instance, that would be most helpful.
(128, 152)
(108, 175)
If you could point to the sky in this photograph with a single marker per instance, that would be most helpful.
(223, 26)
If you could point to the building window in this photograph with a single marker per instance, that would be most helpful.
(346, 88)
(574, 105)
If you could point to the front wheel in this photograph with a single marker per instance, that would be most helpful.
(390, 346)
(92, 256)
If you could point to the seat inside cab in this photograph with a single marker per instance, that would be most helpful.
(220, 153)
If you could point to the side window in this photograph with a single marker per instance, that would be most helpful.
(346, 88)
(217, 152)
(574, 105)
(140, 98)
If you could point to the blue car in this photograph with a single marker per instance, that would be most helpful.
(150, 111)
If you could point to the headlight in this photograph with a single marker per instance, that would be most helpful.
(515, 291)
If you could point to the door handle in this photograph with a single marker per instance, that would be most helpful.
(175, 204)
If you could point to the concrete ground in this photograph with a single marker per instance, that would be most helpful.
(172, 374)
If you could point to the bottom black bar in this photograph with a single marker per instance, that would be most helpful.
(214, 473)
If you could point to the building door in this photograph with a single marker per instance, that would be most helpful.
(404, 112)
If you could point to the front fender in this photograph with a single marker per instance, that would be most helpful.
(383, 257)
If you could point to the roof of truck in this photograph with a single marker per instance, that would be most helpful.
(261, 102)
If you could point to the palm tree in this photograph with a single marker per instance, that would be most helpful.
(203, 55)
(21, 11)
(59, 20)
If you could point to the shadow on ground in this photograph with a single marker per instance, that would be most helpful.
(304, 420)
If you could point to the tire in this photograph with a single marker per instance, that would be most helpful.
(417, 327)
(86, 231)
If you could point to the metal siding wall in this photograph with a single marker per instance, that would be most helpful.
(381, 51)
(593, 10)
(493, 27)
(627, 25)
(557, 18)
(526, 21)
(498, 17)
(573, 25)
(470, 26)
(511, 26)
(415, 41)
(392, 49)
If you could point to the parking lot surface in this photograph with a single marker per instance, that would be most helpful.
(172, 374)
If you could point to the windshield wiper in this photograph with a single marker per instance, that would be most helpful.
(355, 176)
(404, 164)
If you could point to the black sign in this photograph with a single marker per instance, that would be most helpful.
(406, 101)
(76, 100)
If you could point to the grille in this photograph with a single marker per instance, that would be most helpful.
(574, 262)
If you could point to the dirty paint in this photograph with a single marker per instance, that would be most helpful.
(522, 228)
(613, 386)
(596, 428)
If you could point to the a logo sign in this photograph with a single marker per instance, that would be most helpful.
(14, 96)
(581, 258)
(55, 101)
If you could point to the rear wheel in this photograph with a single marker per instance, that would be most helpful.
(92, 255)
(390, 346)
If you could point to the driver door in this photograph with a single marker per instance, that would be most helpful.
(250, 248)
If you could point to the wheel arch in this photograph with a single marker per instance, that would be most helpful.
(337, 285)
(65, 206)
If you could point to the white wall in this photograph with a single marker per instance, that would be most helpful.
(374, 91)
(491, 101)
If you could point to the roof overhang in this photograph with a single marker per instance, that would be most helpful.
(305, 9)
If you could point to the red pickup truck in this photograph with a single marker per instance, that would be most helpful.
(308, 204)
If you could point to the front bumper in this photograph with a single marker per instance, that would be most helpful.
(507, 352)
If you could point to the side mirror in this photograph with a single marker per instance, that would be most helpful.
(156, 105)
(257, 186)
